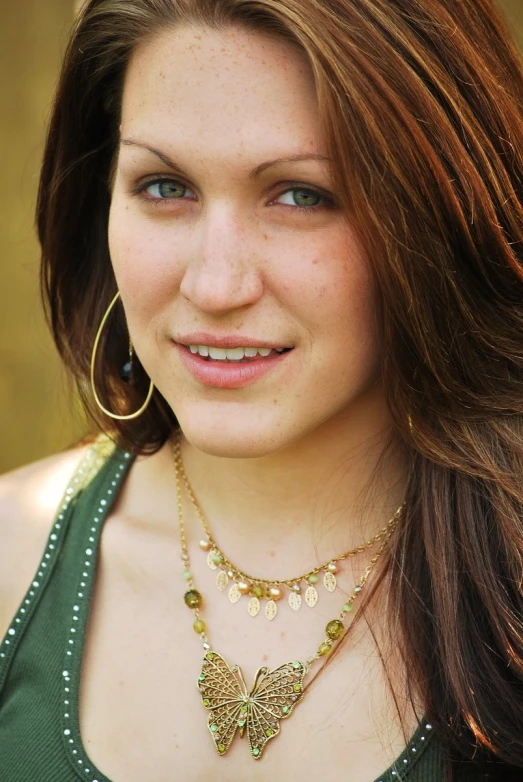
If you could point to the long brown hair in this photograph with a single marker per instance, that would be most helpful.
(422, 104)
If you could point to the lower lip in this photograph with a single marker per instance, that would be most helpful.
(223, 374)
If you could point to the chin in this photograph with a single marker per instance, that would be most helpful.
(234, 433)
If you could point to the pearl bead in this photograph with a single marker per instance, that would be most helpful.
(275, 593)
(332, 567)
(296, 588)
(244, 587)
(205, 545)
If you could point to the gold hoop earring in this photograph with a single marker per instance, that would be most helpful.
(93, 363)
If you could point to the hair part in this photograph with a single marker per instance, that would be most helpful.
(421, 102)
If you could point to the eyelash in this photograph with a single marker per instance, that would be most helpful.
(139, 191)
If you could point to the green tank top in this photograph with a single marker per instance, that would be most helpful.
(41, 653)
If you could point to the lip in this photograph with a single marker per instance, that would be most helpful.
(226, 341)
(221, 374)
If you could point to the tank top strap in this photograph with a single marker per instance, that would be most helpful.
(38, 649)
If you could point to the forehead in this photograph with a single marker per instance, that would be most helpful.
(221, 89)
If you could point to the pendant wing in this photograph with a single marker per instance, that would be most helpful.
(224, 695)
(273, 698)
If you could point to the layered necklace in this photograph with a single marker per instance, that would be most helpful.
(233, 708)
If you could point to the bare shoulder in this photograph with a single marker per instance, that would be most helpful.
(29, 498)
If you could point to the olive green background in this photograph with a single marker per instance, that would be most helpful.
(38, 412)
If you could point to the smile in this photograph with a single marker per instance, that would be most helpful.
(239, 354)
(231, 367)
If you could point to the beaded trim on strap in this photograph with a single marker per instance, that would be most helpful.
(94, 458)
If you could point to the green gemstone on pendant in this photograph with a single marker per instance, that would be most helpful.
(201, 677)
(286, 710)
(241, 723)
(214, 728)
(256, 752)
(296, 666)
(209, 656)
(297, 688)
(206, 702)
(268, 733)
(221, 748)
(243, 709)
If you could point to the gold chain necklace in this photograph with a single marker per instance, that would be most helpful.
(271, 590)
(232, 707)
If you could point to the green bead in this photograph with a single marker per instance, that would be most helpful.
(258, 591)
(199, 626)
(313, 579)
(193, 598)
(347, 607)
(334, 629)
(324, 649)
(216, 558)
(187, 575)
(256, 752)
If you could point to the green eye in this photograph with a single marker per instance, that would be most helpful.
(166, 189)
(306, 198)
(302, 197)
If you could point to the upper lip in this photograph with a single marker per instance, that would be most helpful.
(227, 341)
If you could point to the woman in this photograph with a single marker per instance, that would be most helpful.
(281, 250)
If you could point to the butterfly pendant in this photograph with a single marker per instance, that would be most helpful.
(224, 693)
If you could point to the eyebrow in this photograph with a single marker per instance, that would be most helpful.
(129, 142)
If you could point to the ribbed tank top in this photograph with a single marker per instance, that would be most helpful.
(41, 653)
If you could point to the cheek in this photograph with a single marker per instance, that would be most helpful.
(332, 287)
(143, 260)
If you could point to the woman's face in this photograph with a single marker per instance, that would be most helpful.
(225, 233)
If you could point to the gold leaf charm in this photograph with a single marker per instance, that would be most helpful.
(234, 593)
(222, 579)
(295, 601)
(311, 596)
(254, 606)
(210, 562)
(271, 609)
(258, 713)
(329, 581)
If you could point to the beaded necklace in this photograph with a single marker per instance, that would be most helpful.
(232, 707)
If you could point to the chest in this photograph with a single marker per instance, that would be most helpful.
(141, 715)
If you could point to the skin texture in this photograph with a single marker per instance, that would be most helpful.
(232, 254)
(281, 468)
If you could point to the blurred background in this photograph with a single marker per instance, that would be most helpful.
(38, 411)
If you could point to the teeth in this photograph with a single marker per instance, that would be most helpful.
(231, 354)
(235, 354)
(218, 353)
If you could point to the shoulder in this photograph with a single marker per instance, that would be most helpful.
(29, 498)
(36, 489)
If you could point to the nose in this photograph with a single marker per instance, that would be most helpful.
(222, 273)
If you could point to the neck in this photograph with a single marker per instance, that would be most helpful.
(321, 495)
